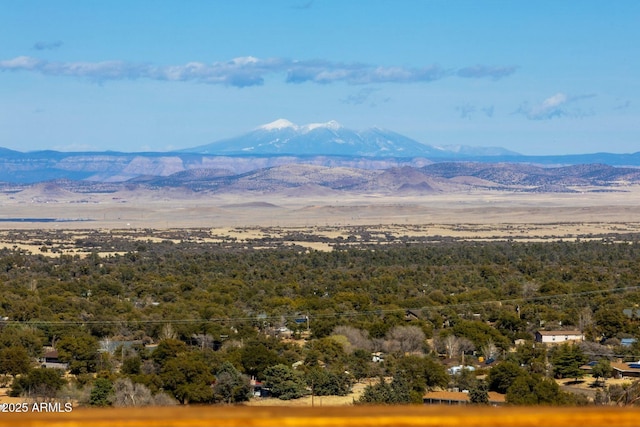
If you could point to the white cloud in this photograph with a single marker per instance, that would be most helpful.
(554, 106)
(19, 63)
(550, 107)
(245, 71)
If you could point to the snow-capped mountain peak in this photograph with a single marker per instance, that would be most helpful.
(332, 125)
(286, 124)
(278, 124)
(282, 137)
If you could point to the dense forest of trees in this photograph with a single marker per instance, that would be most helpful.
(196, 320)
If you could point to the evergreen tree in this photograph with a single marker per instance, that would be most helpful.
(567, 360)
(284, 382)
(40, 382)
(521, 391)
(256, 357)
(502, 376)
(602, 369)
(530, 389)
(400, 390)
(14, 361)
(324, 382)
(80, 350)
(383, 393)
(101, 392)
(188, 378)
(380, 393)
(479, 395)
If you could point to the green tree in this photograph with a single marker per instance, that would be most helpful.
(14, 361)
(256, 357)
(196, 392)
(131, 365)
(401, 390)
(480, 333)
(324, 382)
(40, 382)
(422, 373)
(509, 323)
(168, 349)
(521, 392)
(101, 392)
(465, 379)
(359, 364)
(610, 321)
(328, 349)
(18, 336)
(80, 351)
(323, 326)
(435, 373)
(284, 382)
(502, 376)
(548, 392)
(567, 360)
(533, 389)
(380, 393)
(479, 395)
(602, 369)
(188, 378)
(383, 393)
(531, 356)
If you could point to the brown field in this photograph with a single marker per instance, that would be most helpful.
(152, 210)
(481, 215)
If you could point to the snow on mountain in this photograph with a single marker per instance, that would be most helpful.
(332, 124)
(284, 123)
(283, 137)
(278, 124)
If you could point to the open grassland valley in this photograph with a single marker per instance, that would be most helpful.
(319, 316)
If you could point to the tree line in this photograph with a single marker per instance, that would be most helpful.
(198, 320)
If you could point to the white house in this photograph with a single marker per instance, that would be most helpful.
(556, 337)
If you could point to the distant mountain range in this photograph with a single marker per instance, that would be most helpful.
(282, 137)
(316, 158)
(296, 179)
(305, 180)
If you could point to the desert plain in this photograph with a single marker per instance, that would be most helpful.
(481, 214)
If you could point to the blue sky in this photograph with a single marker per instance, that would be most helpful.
(536, 77)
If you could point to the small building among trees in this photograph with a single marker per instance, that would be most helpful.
(50, 360)
(626, 370)
(459, 398)
(557, 337)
